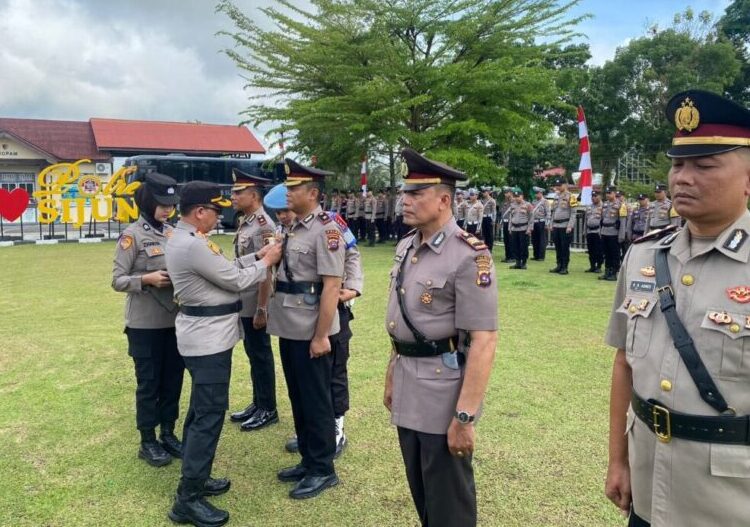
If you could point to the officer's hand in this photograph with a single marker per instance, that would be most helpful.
(259, 320)
(156, 279)
(347, 294)
(617, 486)
(388, 393)
(460, 438)
(528, 233)
(271, 254)
(569, 230)
(319, 347)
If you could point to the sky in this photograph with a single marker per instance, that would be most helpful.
(161, 60)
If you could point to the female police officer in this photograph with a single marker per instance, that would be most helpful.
(140, 271)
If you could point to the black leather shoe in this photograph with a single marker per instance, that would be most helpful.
(197, 511)
(598, 270)
(564, 270)
(604, 276)
(555, 269)
(216, 487)
(611, 278)
(590, 270)
(154, 454)
(171, 444)
(514, 266)
(311, 486)
(292, 446)
(295, 473)
(243, 415)
(261, 419)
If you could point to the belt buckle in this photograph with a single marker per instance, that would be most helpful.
(665, 289)
(663, 413)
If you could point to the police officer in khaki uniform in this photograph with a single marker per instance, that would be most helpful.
(638, 219)
(303, 314)
(351, 210)
(614, 218)
(563, 221)
(541, 221)
(256, 229)
(459, 209)
(505, 217)
(399, 211)
(474, 211)
(370, 206)
(593, 227)
(140, 271)
(489, 212)
(521, 224)
(380, 213)
(207, 287)
(442, 320)
(679, 437)
(661, 212)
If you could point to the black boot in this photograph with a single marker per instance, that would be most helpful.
(556, 269)
(563, 268)
(216, 487)
(606, 274)
(522, 265)
(612, 276)
(190, 506)
(591, 269)
(516, 266)
(598, 268)
(151, 450)
(169, 441)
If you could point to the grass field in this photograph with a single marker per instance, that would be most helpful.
(68, 441)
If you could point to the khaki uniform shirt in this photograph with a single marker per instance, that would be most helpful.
(370, 209)
(614, 218)
(563, 211)
(254, 232)
(314, 249)
(381, 208)
(541, 210)
(460, 210)
(449, 289)
(474, 212)
(661, 214)
(490, 209)
(351, 208)
(521, 217)
(140, 250)
(687, 483)
(638, 222)
(593, 221)
(202, 276)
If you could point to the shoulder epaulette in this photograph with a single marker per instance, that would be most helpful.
(262, 220)
(573, 200)
(471, 240)
(673, 213)
(623, 210)
(324, 218)
(657, 234)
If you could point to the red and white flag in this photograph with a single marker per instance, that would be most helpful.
(363, 173)
(585, 182)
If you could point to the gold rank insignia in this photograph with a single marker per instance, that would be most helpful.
(643, 304)
(687, 117)
(333, 239)
(426, 298)
(720, 317)
(126, 241)
(648, 271)
(747, 322)
(739, 294)
(214, 248)
(484, 265)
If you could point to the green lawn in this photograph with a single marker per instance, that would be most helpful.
(68, 441)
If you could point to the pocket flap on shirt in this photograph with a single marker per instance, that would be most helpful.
(730, 461)
(154, 250)
(732, 325)
(432, 283)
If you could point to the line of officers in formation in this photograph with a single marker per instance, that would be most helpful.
(294, 275)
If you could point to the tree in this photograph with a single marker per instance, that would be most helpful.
(735, 26)
(464, 80)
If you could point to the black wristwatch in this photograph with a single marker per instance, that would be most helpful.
(463, 417)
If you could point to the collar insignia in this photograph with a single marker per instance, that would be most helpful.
(736, 241)
(438, 240)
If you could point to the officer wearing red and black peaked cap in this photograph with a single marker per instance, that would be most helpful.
(303, 314)
(679, 434)
(255, 229)
(442, 321)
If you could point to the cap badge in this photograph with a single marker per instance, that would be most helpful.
(287, 169)
(739, 294)
(687, 117)
(170, 190)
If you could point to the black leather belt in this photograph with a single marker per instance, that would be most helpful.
(425, 349)
(211, 311)
(638, 233)
(520, 224)
(300, 288)
(608, 224)
(666, 424)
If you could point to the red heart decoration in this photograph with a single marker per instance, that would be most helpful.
(12, 204)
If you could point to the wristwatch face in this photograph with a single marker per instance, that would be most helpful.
(463, 417)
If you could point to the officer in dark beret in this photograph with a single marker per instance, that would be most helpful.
(140, 271)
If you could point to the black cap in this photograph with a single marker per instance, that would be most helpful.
(163, 188)
(660, 187)
(243, 180)
(297, 174)
(557, 181)
(421, 172)
(517, 192)
(707, 124)
(610, 188)
(642, 196)
(595, 193)
(202, 193)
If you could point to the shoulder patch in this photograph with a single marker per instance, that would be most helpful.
(324, 218)
(623, 210)
(657, 234)
(333, 237)
(262, 220)
(484, 269)
(472, 241)
(126, 242)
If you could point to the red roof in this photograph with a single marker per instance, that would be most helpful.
(64, 140)
(192, 138)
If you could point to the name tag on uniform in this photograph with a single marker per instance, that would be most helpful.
(642, 287)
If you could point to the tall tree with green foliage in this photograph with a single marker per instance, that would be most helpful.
(465, 80)
(735, 27)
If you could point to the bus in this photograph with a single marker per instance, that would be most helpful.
(185, 168)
